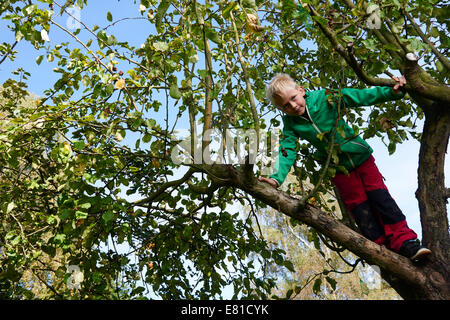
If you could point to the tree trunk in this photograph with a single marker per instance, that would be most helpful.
(431, 193)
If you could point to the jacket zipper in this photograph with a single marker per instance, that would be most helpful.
(318, 130)
(351, 161)
(359, 144)
(311, 120)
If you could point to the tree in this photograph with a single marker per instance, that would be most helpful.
(110, 135)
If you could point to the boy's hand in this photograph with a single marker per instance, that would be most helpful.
(400, 82)
(270, 181)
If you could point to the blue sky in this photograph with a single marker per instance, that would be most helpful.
(96, 15)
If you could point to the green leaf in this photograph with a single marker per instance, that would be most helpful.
(146, 138)
(79, 145)
(59, 238)
(85, 205)
(212, 35)
(15, 241)
(29, 9)
(102, 35)
(39, 59)
(203, 73)
(391, 147)
(298, 289)
(435, 32)
(161, 46)
(288, 264)
(51, 219)
(316, 286)
(347, 39)
(174, 92)
(226, 11)
(10, 207)
(65, 213)
(332, 282)
(109, 16)
(111, 40)
(162, 9)
(289, 293)
(108, 216)
(80, 215)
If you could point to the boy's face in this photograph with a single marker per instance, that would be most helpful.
(291, 101)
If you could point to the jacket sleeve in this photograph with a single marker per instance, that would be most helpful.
(368, 97)
(286, 155)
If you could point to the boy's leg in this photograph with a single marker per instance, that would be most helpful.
(352, 191)
(393, 220)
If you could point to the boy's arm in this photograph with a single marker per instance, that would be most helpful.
(286, 156)
(368, 97)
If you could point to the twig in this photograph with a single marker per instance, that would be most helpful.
(7, 53)
(164, 187)
(81, 42)
(440, 56)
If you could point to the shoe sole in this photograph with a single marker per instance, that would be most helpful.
(421, 254)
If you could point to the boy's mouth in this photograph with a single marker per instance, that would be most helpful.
(299, 110)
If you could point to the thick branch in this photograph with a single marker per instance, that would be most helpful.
(420, 82)
(373, 253)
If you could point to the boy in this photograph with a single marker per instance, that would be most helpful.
(309, 114)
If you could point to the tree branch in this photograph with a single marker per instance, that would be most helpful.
(164, 187)
(207, 116)
(247, 80)
(373, 253)
(9, 52)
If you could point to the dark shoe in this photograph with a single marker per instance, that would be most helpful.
(413, 250)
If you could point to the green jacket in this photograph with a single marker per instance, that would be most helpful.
(322, 107)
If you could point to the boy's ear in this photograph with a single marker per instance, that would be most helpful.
(301, 89)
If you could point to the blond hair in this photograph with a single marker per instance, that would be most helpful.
(279, 83)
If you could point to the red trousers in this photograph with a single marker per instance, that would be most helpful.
(375, 212)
